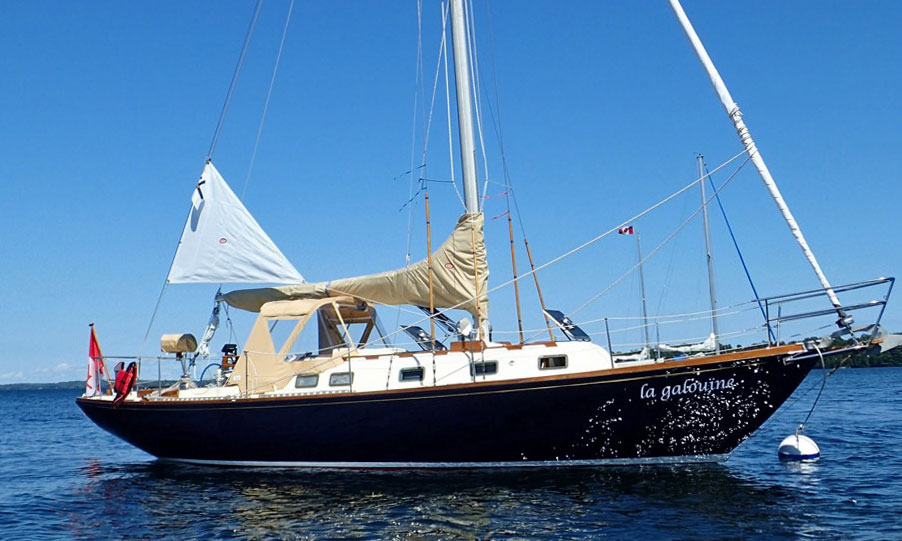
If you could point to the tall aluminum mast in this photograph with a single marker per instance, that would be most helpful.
(464, 109)
(736, 116)
(708, 257)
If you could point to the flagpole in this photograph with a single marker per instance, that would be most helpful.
(642, 285)
(104, 371)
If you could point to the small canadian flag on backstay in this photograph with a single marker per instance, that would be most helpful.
(628, 230)
(96, 367)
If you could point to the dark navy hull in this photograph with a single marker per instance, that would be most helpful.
(679, 411)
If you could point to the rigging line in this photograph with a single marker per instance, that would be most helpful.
(216, 132)
(668, 275)
(416, 196)
(574, 250)
(631, 219)
(585, 324)
(636, 346)
(272, 82)
(502, 184)
(610, 231)
(819, 392)
(496, 125)
(156, 307)
(419, 90)
(154, 314)
(237, 72)
(787, 406)
(668, 239)
(477, 82)
(410, 171)
(496, 119)
(506, 174)
(745, 268)
(474, 84)
(684, 339)
(417, 93)
(232, 335)
(421, 79)
(682, 342)
(678, 318)
(809, 332)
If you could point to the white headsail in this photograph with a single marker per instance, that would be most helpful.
(223, 243)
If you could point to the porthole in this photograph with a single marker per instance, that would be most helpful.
(340, 379)
(550, 362)
(306, 380)
(485, 368)
(412, 374)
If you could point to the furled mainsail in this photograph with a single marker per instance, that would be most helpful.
(223, 243)
(460, 276)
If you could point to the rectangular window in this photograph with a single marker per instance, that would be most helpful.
(306, 380)
(412, 374)
(484, 368)
(552, 361)
(339, 379)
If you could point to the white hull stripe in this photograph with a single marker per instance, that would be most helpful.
(688, 459)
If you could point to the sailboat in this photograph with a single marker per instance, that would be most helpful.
(358, 401)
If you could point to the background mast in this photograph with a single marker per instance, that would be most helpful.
(709, 258)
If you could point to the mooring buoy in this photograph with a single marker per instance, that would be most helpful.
(798, 447)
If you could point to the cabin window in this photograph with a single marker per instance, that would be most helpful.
(341, 378)
(484, 368)
(306, 380)
(412, 374)
(552, 361)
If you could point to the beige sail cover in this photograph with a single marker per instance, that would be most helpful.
(460, 277)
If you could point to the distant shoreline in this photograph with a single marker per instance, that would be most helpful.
(63, 385)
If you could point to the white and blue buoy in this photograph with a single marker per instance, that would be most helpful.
(798, 447)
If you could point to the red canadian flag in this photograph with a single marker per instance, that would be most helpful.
(628, 230)
(96, 367)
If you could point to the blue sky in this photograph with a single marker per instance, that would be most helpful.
(109, 107)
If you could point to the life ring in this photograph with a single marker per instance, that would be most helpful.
(125, 380)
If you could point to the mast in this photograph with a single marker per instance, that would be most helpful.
(642, 286)
(708, 257)
(464, 109)
(742, 130)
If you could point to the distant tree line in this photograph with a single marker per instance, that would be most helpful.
(892, 357)
(72, 385)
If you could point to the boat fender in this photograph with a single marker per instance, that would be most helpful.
(125, 380)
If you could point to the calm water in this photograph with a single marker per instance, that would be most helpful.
(61, 477)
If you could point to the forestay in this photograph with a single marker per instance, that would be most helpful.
(223, 243)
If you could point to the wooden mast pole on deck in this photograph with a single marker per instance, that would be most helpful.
(429, 266)
(510, 230)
